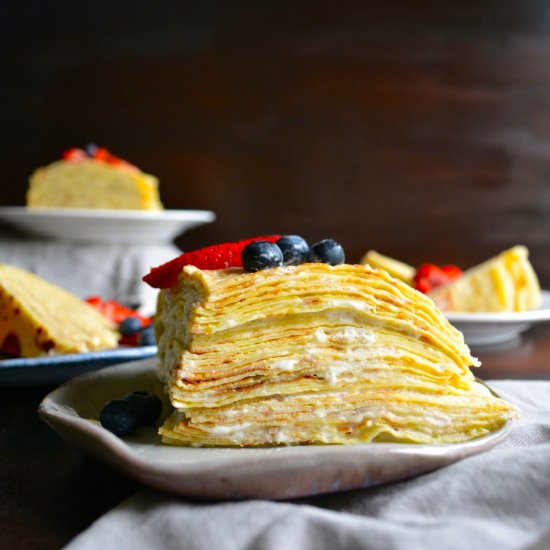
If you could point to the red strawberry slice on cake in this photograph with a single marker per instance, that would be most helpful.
(217, 256)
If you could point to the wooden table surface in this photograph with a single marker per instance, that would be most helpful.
(50, 491)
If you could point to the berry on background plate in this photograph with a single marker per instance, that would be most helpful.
(130, 322)
(146, 337)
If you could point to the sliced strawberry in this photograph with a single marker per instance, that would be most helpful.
(218, 256)
(94, 301)
(116, 312)
(102, 154)
(97, 153)
(452, 271)
(74, 154)
(429, 276)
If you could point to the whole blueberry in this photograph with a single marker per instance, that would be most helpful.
(147, 337)
(129, 326)
(119, 417)
(91, 149)
(327, 251)
(261, 255)
(147, 406)
(294, 248)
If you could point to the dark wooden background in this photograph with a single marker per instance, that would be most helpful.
(421, 129)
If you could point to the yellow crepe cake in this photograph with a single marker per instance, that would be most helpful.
(505, 283)
(38, 318)
(313, 354)
(399, 270)
(92, 179)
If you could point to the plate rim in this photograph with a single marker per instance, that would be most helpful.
(114, 214)
(100, 226)
(532, 316)
(89, 356)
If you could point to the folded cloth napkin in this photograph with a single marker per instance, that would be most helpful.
(499, 499)
(110, 271)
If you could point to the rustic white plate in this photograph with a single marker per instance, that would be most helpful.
(72, 410)
(106, 226)
(483, 329)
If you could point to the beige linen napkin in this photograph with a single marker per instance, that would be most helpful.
(110, 271)
(497, 500)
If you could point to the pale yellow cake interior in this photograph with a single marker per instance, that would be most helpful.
(92, 183)
(396, 268)
(314, 354)
(505, 283)
(45, 319)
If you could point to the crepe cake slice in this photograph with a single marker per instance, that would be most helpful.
(38, 318)
(99, 180)
(505, 283)
(396, 268)
(314, 354)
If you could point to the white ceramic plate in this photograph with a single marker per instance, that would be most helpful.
(483, 329)
(53, 370)
(105, 226)
(229, 473)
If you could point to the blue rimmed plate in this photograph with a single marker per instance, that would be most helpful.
(53, 370)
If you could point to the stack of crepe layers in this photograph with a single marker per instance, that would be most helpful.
(92, 184)
(505, 283)
(314, 354)
(38, 318)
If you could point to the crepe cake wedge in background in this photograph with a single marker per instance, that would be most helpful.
(314, 353)
(39, 318)
(505, 283)
(93, 178)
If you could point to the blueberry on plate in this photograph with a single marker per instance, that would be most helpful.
(327, 251)
(294, 248)
(148, 407)
(129, 326)
(119, 417)
(147, 337)
(260, 255)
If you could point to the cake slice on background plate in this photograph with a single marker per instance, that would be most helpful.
(39, 318)
(505, 283)
(93, 179)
